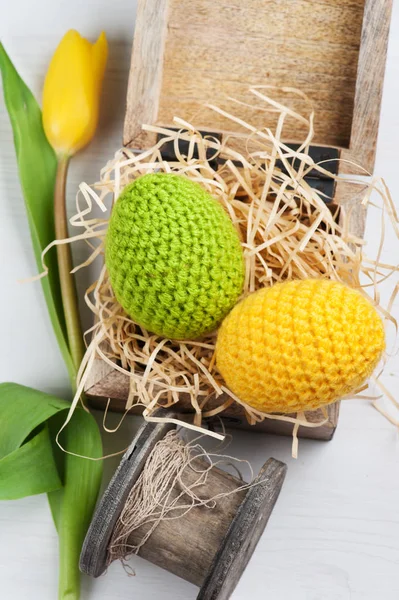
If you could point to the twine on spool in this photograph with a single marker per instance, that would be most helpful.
(151, 500)
(169, 503)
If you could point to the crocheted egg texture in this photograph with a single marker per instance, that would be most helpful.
(173, 256)
(299, 345)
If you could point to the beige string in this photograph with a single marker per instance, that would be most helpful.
(150, 500)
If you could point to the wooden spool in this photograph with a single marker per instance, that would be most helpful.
(207, 547)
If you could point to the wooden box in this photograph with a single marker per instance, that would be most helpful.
(187, 53)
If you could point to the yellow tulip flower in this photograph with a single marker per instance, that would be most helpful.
(71, 92)
(71, 99)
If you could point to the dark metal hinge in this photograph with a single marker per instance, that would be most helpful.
(322, 182)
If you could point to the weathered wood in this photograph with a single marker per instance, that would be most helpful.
(369, 85)
(93, 558)
(145, 75)
(244, 533)
(349, 196)
(334, 51)
(208, 547)
(114, 387)
(215, 51)
(187, 546)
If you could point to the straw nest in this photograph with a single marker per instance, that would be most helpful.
(288, 231)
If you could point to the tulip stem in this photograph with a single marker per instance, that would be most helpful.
(67, 282)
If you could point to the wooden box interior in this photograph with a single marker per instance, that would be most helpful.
(188, 53)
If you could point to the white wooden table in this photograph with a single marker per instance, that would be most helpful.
(334, 534)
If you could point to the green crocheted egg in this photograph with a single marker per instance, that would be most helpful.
(173, 256)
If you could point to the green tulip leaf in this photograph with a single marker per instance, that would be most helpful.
(37, 165)
(32, 463)
(30, 459)
(22, 409)
(30, 469)
(73, 506)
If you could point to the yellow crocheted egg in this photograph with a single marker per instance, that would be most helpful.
(299, 345)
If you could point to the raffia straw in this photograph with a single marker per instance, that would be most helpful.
(287, 231)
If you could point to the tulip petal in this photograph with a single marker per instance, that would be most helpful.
(71, 92)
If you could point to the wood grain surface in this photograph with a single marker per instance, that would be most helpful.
(243, 535)
(145, 76)
(191, 54)
(113, 388)
(94, 555)
(369, 85)
(187, 546)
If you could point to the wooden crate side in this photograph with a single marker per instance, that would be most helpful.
(114, 387)
(348, 195)
(145, 76)
(369, 86)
